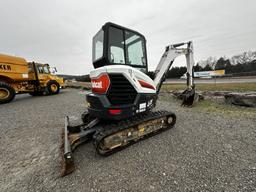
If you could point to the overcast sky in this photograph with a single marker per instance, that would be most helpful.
(59, 32)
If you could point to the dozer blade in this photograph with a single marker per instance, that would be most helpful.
(68, 165)
(188, 97)
(72, 137)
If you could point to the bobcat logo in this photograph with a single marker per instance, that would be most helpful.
(97, 84)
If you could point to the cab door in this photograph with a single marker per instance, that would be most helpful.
(43, 74)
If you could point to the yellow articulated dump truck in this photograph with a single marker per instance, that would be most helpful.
(19, 76)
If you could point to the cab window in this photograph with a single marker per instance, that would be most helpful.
(43, 69)
(126, 47)
(46, 69)
(116, 46)
(40, 69)
(135, 49)
(98, 45)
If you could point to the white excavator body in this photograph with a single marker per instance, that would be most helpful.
(119, 111)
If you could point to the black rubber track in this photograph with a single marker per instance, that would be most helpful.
(112, 128)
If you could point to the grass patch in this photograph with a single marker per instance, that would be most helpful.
(218, 107)
(240, 87)
(222, 108)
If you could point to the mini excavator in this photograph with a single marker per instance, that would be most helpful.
(122, 97)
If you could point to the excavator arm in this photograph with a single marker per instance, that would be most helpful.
(166, 61)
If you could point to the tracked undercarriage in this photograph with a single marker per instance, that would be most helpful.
(110, 137)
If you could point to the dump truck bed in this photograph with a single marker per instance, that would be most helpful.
(15, 68)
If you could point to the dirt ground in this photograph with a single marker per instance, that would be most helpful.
(205, 151)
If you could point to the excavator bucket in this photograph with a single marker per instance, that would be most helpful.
(189, 97)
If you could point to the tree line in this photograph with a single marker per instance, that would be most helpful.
(242, 64)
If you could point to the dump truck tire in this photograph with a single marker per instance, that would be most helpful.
(7, 93)
(52, 88)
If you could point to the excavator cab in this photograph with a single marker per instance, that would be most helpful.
(117, 45)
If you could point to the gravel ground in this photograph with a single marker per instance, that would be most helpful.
(204, 152)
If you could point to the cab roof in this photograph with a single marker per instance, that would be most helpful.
(109, 24)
